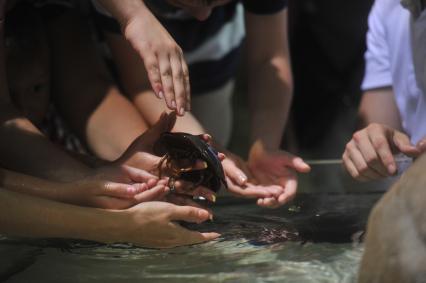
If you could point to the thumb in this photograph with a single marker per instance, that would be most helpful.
(190, 214)
(402, 143)
(299, 165)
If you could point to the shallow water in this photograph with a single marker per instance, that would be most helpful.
(314, 239)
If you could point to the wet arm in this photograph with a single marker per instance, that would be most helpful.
(269, 76)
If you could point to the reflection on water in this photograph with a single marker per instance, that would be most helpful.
(314, 239)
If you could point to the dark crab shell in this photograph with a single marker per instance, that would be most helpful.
(188, 146)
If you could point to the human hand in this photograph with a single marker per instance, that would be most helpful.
(140, 153)
(113, 188)
(163, 59)
(276, 169)
(153, 225)
(421, 145)
(369, 154)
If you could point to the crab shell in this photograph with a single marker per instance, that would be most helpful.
(187, 146)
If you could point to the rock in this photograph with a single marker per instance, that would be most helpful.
(395, 246)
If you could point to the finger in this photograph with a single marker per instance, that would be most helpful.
(153, 194)
(206, 137)
(138, 175)
(403, 144)
(152, 67)
(295, 162)
(370, 144)
(274, 190)
(268, 203)
(360, 164)
(421, 145)
(290, 187)
(386, 166)
(167, 81)
(350, 167)
(189, 214)
(187, 83)
(178, 83)
(247, 192)
(184, 201)
(189, 237)
(119, 190)
(234, 173)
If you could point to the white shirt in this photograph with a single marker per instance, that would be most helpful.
(389, 62)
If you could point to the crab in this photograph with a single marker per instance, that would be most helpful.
(180, 153)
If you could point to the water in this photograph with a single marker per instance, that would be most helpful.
(314, 239)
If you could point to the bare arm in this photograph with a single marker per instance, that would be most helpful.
(86, 95)
(379, 106)
(22, 215)
(269, 76)
(150, 224)
(22, 147)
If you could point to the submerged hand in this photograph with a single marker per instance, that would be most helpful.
(154, 225)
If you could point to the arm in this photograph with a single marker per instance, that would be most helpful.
(86, 95)
(22, 147)
(269, 76)
(369, 154)
(149, 225)
(163, 58)
(379, 106)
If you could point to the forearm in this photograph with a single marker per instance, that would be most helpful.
(113, 126)
(269, 76)
(26, 216)
(24, 149)
(124, 10)
(270, 99)
(24, 184)
(379, 106)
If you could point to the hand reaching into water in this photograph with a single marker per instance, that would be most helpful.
(154, 225)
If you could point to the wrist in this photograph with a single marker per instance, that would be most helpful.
(110, 226)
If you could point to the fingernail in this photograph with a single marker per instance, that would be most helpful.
(173, 104)
(391, 168)
(213, 198)
(181, 111)
(211, 217)
(131, 190)
(243, 179)
(161, 94)
(205, 165)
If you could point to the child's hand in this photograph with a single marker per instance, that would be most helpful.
(163, 60)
